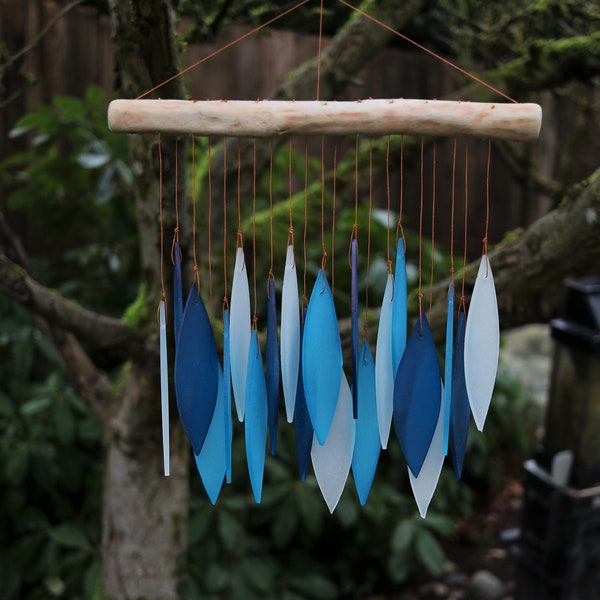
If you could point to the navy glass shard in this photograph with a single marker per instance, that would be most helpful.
(460, 415)
(177, 290)
(302, 424)
(196, 370)
(272, 360)
(417, 395)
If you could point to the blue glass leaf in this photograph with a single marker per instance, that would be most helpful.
(239, 316)
(482, 343)
(417, 395)
(164, 386)
(302, 425)
(384, 372)
(331, 461)
(399, 309)
(177, 290)
(272, 357)
(321, 358)
(367, 441)
(211, 462)
(448, 366)
(196, 370)
(461, 409)
(354, 323)
(227, 397)
(255, 426)
(290, 333)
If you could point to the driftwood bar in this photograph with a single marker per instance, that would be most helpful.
(273, 118)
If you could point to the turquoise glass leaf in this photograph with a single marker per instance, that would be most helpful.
(255, 426)
(321, 358)
(367, 442)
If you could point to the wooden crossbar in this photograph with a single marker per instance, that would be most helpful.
(273, 118)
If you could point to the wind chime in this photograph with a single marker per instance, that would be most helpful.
(340, 424)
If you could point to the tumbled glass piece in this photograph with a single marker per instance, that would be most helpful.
(164, 386)
(448, 365)
(354, 322)
(399, 309)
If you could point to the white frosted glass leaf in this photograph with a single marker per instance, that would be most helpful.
(239, 332)
(424, 485)
(164, 386)
(384, 372)
(482, 343)
(212, 461)
(331, 461)
(290, 333)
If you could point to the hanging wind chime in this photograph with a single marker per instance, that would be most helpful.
(341, 423)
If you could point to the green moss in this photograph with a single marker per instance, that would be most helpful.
(138, 314)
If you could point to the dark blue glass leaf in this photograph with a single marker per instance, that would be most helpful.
(302, 425)
(177, 290)
(272, 359)
(196, 370)
(321, 358)
(417, 395)
(448, 366)
(227, 396)
(367, 442)
(461, 408)
(354, 323)
(255, 426)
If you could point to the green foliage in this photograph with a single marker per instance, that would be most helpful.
(50, 452)
(72, 181)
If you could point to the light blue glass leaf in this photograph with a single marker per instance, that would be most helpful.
(384, 371)
(399, 309)
(255, 426)
(227, 396)
(321, 358)
(331, 461)
(461, 410)
(164, 386)
(177, 290)
(367, 442)
(290, 333)
(424, 485)
(239, 332)
(354, 322)
(448, 365)
(211, 462)
(417, 394)
(482, 343)
(302, 426)
(196, 370)
(272, 360)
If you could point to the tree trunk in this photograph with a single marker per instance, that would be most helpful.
(145, 513)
